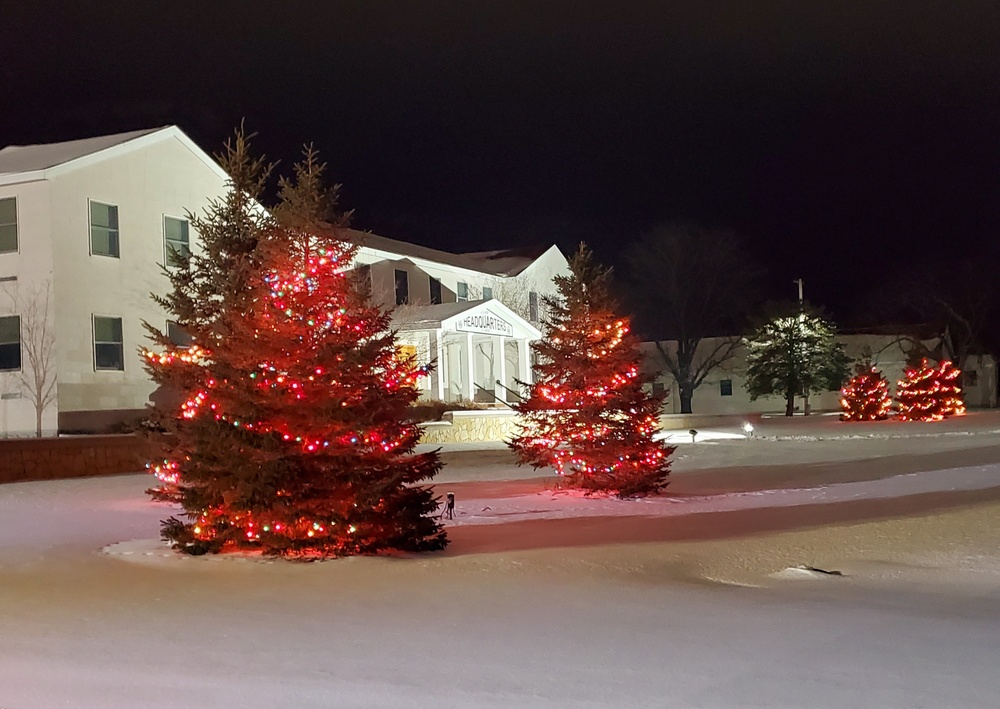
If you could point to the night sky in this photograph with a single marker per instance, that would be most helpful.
(821, 131)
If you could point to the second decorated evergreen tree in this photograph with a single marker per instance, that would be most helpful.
(930, 393)
(865, 397)
(587, 414)
(291, 437)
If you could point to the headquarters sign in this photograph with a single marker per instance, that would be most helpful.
(485, 323)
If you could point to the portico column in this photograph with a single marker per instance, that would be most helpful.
(500, 352)
(440, 369)
(522, 356)
(470, 386)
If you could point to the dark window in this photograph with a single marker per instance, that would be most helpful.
(657, 387)
(108, 350)
(10, 342)
(462, 291)
(970, 378)
(8, 224)
(175, 241)
(363, 276)
(726, 387)
(402, 287)
(103, 229)
(435, 290)
(178, 336)
(533, 306)
(487, 292)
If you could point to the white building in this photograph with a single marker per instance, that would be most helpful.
(473, 314)
(85, 225)
(724, 392)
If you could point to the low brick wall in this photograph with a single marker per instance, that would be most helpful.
(678, 422)
(70, 457)
(471, 427)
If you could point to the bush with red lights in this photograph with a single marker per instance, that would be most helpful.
(930, 393)
(865, 397)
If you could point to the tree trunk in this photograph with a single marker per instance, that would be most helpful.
(686, 393)
(789, 404)
(38, 421)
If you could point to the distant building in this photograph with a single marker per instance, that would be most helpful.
(90, 221)
(724, 392)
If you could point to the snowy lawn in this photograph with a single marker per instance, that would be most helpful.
(532, 606)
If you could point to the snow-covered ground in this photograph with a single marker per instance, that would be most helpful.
(551, 617)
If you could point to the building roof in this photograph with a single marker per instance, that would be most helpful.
(29, 158)
(508, 262)
(498, 263)
(421, 317)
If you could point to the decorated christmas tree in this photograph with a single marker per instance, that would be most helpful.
(930, 393)
(291, 435)
(587, 415)
(865, 397)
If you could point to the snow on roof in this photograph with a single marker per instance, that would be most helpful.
(498, 263)
(508, 262)
(29, 158)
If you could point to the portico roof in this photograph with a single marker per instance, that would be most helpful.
(488, 317)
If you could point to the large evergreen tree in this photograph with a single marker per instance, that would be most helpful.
(291, 435)
(795, 355)
(587, 414)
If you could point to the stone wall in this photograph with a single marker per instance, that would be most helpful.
(70, 457)
(471, 427)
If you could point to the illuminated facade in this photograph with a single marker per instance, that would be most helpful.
(89, 222)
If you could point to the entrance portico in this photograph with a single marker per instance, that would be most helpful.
(481, 349)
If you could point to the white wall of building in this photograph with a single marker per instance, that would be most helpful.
(149, 178)
(163, 179)
(31, 265)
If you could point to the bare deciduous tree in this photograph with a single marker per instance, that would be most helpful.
(38, 369)
(692, 286)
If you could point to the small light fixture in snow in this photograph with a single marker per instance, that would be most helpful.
(748, 429)
(694, 435)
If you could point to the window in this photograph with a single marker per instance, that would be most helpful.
(435, 290)
(487, 292)
(103, 229)
(533, 306)
(363, 274)
(108, 351)
(10, 343)
(178, 336)
(176, 245)
(462, 291)
(8, 225)
(725, 387)
(402, 287)
(970, 378)
(657, 388)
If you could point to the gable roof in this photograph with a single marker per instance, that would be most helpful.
(29, 158)
(509, 262)
(444, 315)
(21, 163)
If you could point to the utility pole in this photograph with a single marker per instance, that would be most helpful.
(805, 394)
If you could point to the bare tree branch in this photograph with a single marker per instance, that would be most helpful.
(38, 370)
